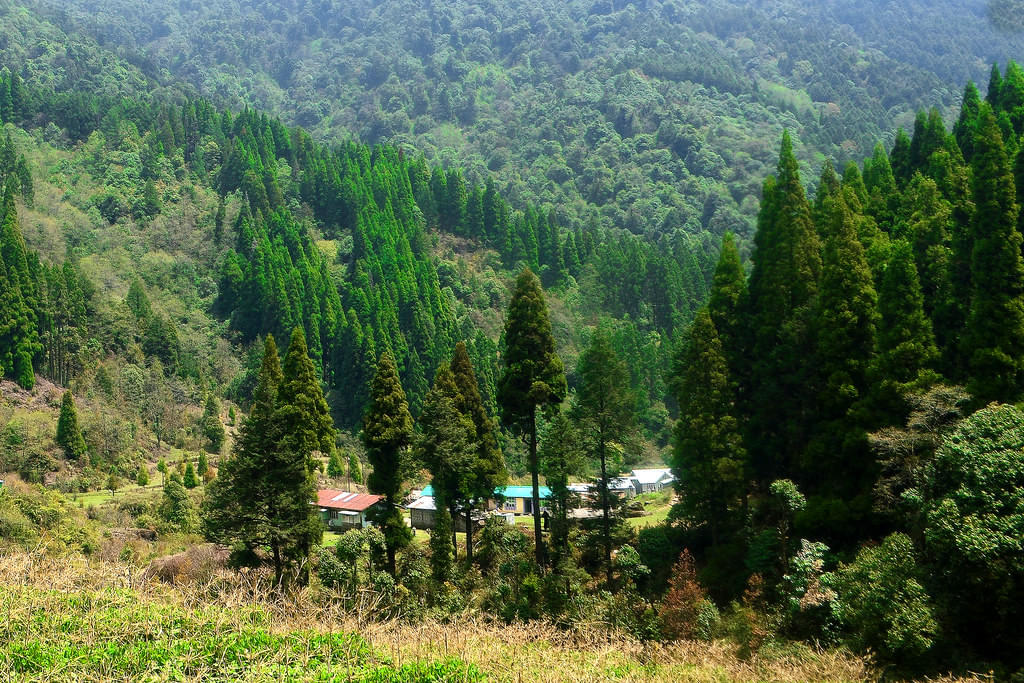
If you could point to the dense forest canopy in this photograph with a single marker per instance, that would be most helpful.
(650, 116)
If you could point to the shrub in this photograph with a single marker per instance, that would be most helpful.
(881, 602)
(685, 603)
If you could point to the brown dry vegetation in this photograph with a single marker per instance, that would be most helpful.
(38, 584)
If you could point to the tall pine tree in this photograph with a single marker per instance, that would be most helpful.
(994, 341)
(533, 376)
(387, 432)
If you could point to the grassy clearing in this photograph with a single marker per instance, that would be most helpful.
(69, 619)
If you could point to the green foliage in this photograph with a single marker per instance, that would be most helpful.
(603, 410)
(260, 498)
(335, 469)
(142, 478)
(882, 604)
(69, 436)
(973, 525)
(190, 480)
(995, 328)
(387, 432)
(213, 428)
(176, 507)
(708, 456)
(533, 376)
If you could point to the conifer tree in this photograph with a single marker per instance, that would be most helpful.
(906, 346)
(213, 428)
(487, 469)
(994, 341)
(726, 302)
(261, 498)
(899, 158)
(963, 130)
(202, 466)
(335, 470)
(142, 478)
(604, 412)
(533, 376)
(355, 468)
(387, 432)
(190, 480)
(783, 285)
(69, 437)
(708, 457)
(446, 446)
(561, 456)
(844, 330)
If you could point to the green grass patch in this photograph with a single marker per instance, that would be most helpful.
(111, 635)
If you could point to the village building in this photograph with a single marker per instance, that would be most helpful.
(649, 480)
(515, 499)
(344, 510)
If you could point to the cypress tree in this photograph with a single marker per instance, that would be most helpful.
(335, 469)
(487, 469)
(726, 301)
(604, 410)
(899, 158)
(963, 130)
(236, 507)
(783, 285)
(532, 378)
(844, 331)
(387, 432)
(708, 457)
(190, 480)
(906, 346)
(995, 86)
(446, 447)
(994, 340)
(213, 428)
(355, 468)
(69, 437)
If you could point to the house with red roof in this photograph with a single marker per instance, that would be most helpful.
(343, 510)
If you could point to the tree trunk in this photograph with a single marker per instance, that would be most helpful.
(605, 508)
(278, 564)
(535, 475)
(453, 512)
(469, 534)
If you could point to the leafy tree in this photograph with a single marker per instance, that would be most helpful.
(387, 432)
(533, 377)
(994, 340)
(203, 466)
(708, 457)
(882, 603)
(161, 467)
(973, 511)
(69, 436)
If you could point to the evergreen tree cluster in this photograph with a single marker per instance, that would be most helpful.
(897, 277)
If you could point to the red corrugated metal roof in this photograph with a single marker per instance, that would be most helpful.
(345, 500)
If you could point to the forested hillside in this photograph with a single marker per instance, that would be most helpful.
(650, 116)
(513, 245)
